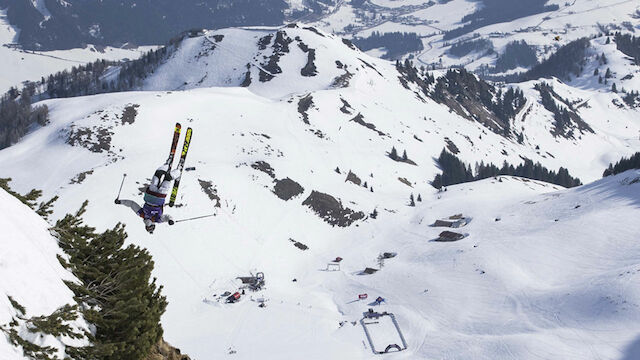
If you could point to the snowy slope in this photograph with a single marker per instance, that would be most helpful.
(30, 273)
(19, 66)
(552, 279)
(429, 19)
(524, 287)
(226, 58)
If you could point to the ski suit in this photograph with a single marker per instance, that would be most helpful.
(154, 197)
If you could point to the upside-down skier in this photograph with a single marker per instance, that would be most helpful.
(154, 199)
(156, 193)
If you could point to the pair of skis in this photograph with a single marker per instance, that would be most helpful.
(183, 158)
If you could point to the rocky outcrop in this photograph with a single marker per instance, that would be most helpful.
(163, 351)
(331, 210)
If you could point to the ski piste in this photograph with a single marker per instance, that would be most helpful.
(183, 157)
(174, 144)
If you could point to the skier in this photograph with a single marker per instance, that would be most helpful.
(154, 198)
(156, 193)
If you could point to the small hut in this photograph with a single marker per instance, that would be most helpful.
(369, 271)
(451, 223)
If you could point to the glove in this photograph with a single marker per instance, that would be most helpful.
(171, 222)
(117, 201)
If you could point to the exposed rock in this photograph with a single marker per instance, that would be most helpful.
(247, 77)
(331, 210)
(129, 114)
(345, 106)
(359, 119)
(280, 47)
(448, 236)
(264, 41)
(163, 351)
(96, 139)
(371, 67)
(78, 179)
(342, 81)
(286, 189)
(405, 181)
(304, 104)
(310, 68)
(314, 30)
(265, 167)
(210, 191)
(451, 146)
(349, 44)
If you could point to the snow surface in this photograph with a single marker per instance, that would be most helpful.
(204, 62)
(574, 19)
(31, 274)
(550, 279)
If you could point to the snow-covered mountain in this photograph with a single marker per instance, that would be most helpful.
(292, 130)
(32, 279)
(324, 87)
(21, 65)
(545, 26)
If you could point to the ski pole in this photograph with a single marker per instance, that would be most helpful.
(123, 176)
(195, 218)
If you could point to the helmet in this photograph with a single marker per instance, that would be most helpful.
(149, 226)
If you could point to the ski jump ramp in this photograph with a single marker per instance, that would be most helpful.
(383, 332)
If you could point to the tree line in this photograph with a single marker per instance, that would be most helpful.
(565, 117)
(464, 48)
(622, 165)
(420, 77)
(397, 43)
(516, 53)
(463, 85)
(454, 171)
(569, 60)
(497, 11)
(629, 45)
(17, 113)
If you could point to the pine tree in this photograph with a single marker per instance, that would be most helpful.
(30, 199)
(115, 293)
(411, 201)
(394, 153)
(404, 155)
(607, 74)
(614, 88)
(419, 199)
(374, 214)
